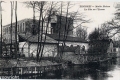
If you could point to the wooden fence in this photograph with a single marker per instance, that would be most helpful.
(32, 70)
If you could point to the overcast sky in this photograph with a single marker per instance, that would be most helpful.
(97, 16)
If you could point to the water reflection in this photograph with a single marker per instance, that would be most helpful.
(109, 70)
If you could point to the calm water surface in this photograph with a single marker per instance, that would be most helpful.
(109, 70)
(106, 71)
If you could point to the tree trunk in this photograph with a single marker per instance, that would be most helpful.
(16, 47)
(1, 28)
(11, 27)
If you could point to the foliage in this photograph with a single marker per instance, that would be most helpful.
(94, 35)
(98, 42)
(98, 46)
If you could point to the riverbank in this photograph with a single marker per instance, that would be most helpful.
(52, 70)
(24, 63)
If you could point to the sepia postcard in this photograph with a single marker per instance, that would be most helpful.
(60, 40)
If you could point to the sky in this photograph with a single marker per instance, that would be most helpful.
(97, 17)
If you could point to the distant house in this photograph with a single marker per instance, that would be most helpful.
(28, 45)
(116, 45)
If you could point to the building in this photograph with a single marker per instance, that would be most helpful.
(62, 25)
(24, 26)
(73, 49)
(71, 42)
(57, 24)
(28, 45)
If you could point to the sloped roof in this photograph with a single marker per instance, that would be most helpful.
(34, 38)
(67, 38)
(23, 20)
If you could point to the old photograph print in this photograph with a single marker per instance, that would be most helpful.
(60, 40)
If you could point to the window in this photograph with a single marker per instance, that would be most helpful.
(51, 30)
(17, 27)
(5, 30)
(23, 27)
(8, 29)
(20, 27)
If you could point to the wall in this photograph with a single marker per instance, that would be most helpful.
(76, 59)
(110, 48)
(77, 43)
(23, 48)
(58, 23)
(7, 38)
(49, 49)
(117, 51)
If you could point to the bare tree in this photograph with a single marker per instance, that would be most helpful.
(12, 7)
(16, 43)
(110, 28)
(45, 10)
(81, 32)
(1, 26)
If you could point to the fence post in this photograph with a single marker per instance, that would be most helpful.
(35, 70)
(21, 71)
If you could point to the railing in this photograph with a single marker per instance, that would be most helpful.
(29, 70)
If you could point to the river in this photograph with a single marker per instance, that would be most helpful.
(109, 70)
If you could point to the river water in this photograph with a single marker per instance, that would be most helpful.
(109, 70)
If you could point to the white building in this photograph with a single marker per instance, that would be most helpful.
(28, 45)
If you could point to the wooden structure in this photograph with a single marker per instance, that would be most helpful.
(29, 71)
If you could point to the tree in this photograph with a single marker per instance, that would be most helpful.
(1, 28)
(46, 10)
(32, 4)
(16, 43)
(94, 35)
(11, 31)
(112, 27)
(81, 32)
(98, 42)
